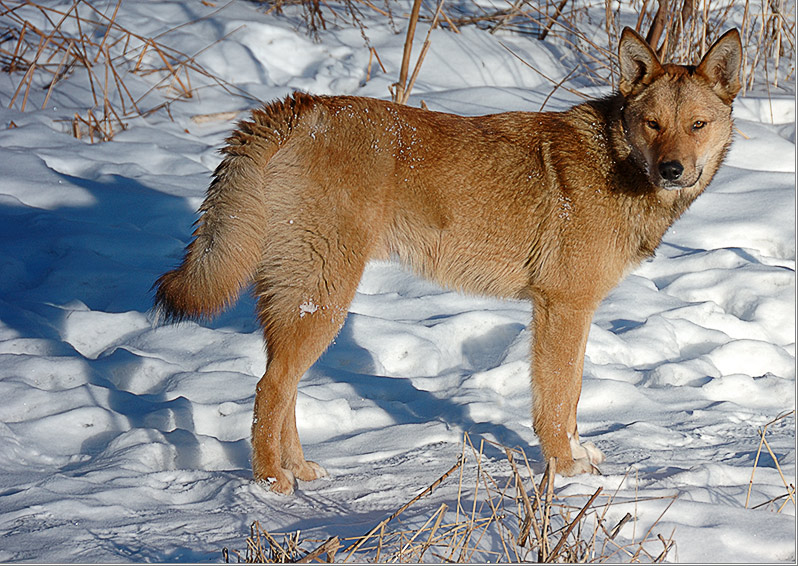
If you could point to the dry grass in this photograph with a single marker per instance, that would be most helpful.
(316, 14)
(680, 30)
(128, 75)
(499, 515)
(787, 497)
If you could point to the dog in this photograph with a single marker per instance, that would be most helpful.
(551, 207)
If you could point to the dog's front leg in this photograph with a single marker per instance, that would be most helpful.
(560, 329)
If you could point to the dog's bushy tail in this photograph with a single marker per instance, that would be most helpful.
(229, 236)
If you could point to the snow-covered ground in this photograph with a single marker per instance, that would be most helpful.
(124, 442)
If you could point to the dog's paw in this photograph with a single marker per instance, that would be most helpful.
(282, 482)
(586, 457)
(576, 467)
(310, 471)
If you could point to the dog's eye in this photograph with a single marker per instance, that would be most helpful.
(653, 124)
(698, 124)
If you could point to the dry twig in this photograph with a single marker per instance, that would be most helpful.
(505, 518)
(53, 54)
(790, 495)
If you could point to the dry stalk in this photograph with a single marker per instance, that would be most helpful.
(407, 547)
(402, 509)
(551, 470)
(790, 495)
(57, 51)
(399, 94)
(570, 528)
(329, 547)
(432, 532)
(422, 55)
(530, 520)
(374, 55)
(508, 519)
(680, 29)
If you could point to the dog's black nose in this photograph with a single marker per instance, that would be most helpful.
(671, 170)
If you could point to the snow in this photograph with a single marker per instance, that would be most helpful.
(124, 441)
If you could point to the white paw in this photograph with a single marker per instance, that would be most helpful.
(283, 484)
(586, 456)
(581, 466)
(318, 469)
(596, 456)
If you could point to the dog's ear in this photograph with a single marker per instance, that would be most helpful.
(639, 64)
(721, 65)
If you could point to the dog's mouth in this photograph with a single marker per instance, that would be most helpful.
(676, 186)
(682, 182)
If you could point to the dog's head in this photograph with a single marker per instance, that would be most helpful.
(677, 118)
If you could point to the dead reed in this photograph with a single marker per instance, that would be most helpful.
(790, 487)
(680, 30)
(130, 75)
(499, 514)
(127, 74)
(315, 14)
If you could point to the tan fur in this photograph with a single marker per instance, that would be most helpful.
(550, 207)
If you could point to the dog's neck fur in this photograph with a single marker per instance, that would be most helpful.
(660, 207)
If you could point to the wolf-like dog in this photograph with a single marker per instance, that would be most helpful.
(552, 207)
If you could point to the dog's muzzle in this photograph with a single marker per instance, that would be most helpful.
(671, 174)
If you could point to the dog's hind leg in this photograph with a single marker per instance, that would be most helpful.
(559, 339)
(303, 296)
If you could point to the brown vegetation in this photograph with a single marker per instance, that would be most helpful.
(109, 54)
(49, 45)
(500, 515)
